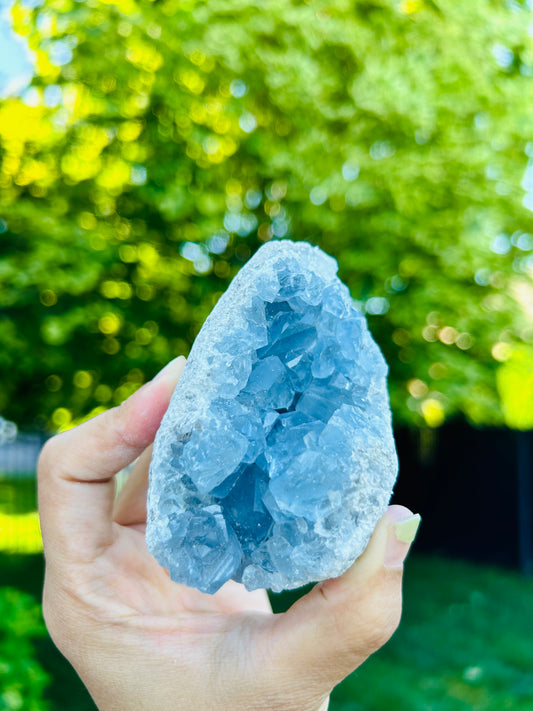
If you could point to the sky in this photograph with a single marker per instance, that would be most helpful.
(15, 58)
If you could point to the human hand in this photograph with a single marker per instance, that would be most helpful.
(143, 643)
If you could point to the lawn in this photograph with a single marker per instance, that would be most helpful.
(465, 642)
(19, 520)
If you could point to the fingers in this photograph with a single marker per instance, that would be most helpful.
(130, 506)
(76, 468)
(332, 630)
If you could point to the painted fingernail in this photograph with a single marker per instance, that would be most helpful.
(405, 530)
(174, 367)
(401, 535)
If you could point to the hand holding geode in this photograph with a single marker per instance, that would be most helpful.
(275, 459)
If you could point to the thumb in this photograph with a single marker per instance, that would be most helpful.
(332, 630)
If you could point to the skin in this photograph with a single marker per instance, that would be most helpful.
(143, 643)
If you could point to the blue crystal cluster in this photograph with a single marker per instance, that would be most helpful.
(276, 458)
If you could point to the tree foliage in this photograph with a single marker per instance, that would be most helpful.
(162, 142)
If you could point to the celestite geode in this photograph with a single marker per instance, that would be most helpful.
(275, 459)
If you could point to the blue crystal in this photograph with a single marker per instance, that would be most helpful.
(216, 554)
(275, 459)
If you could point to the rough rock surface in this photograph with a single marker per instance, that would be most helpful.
(276, 458)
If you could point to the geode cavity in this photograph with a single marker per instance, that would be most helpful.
(275, 459)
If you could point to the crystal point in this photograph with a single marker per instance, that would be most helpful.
(275, 459)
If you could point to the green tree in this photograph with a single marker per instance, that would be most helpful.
(162, 142)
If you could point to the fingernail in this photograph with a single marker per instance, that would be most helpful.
(401, 534)
(174, 367)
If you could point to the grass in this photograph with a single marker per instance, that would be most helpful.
(20, 533)
(465, 643)
(19, 522)
(18, 495)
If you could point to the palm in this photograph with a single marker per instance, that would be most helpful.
(135, 592)
(147, 589)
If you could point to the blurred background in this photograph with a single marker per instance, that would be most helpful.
(147, 149)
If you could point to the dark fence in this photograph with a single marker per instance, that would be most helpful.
(474, 490)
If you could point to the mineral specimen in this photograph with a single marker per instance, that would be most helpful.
(276, 458)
